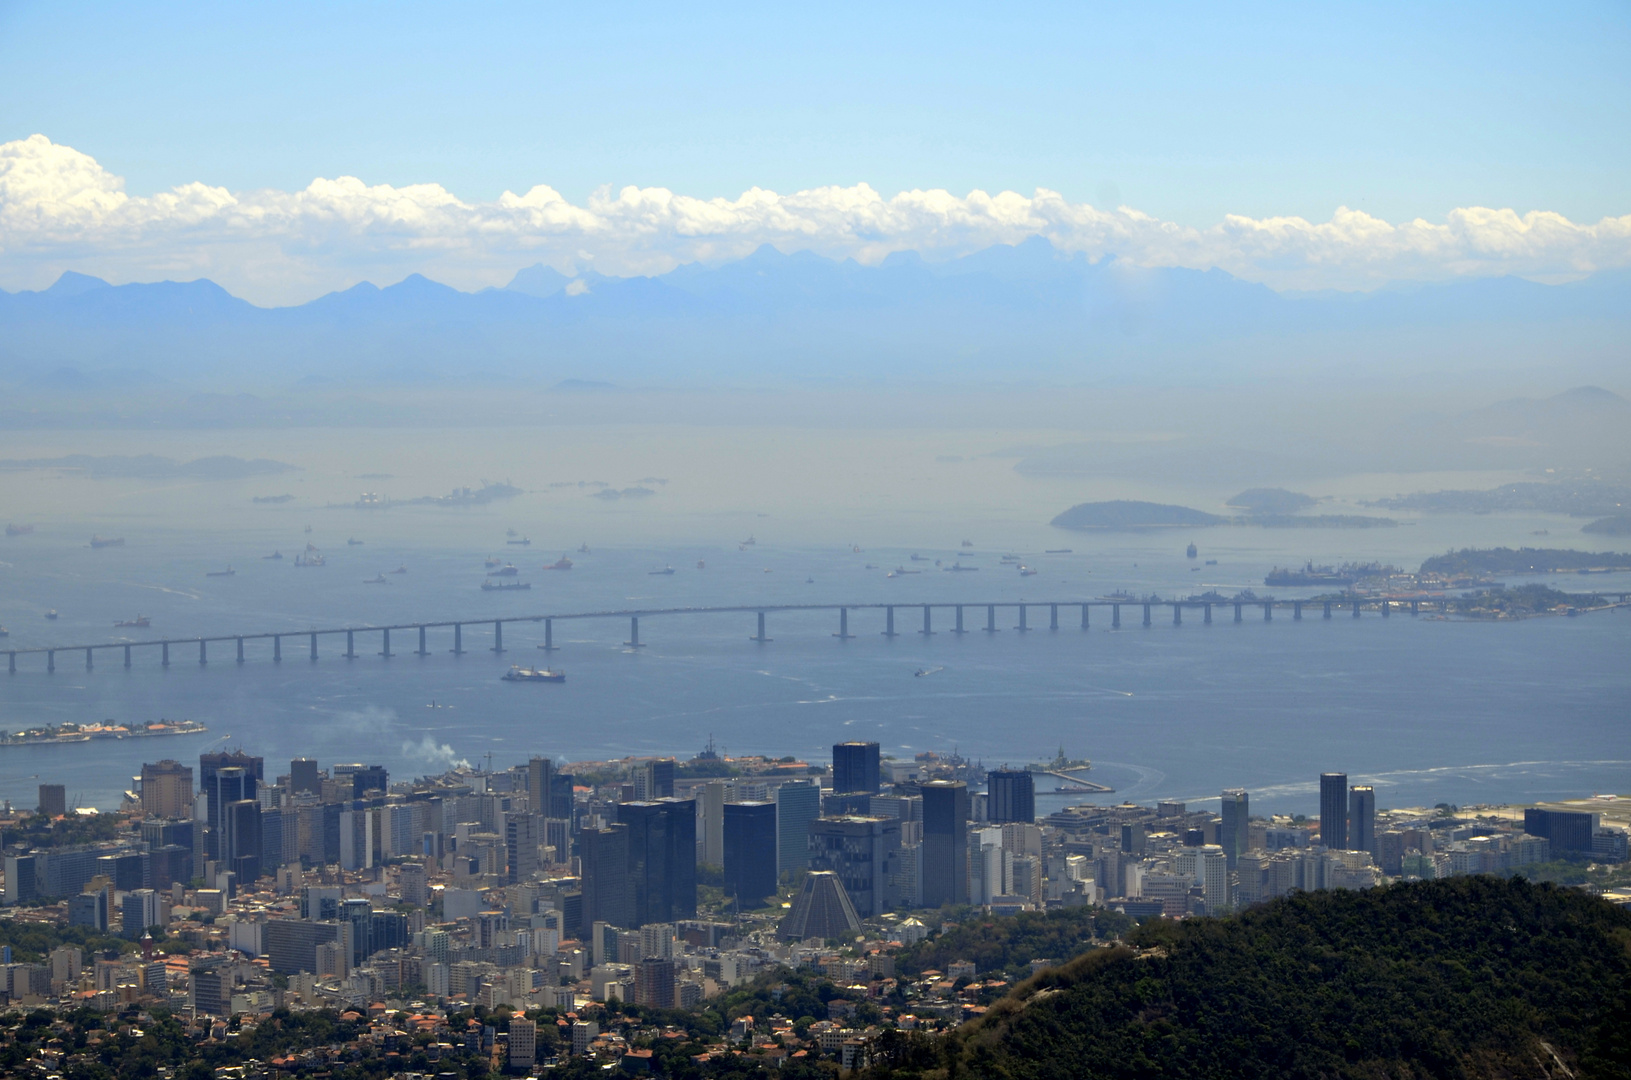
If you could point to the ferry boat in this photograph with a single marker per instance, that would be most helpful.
(102, 541)
(139, 621)
(521, 674)
(228, 572)
(507, 570)
(563, 563)
(19, 530)
(505, 586)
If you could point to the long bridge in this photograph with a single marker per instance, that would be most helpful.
(1113, 607)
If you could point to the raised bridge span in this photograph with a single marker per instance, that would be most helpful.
(1022, 610)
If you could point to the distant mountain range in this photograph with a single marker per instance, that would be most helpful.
(1027, 313)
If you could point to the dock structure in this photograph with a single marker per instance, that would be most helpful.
(1382, 605)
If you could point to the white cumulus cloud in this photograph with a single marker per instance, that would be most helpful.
(60, 210)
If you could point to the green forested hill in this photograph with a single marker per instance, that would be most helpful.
(1469, 977)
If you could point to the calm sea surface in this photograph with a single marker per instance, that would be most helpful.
(1428, 711)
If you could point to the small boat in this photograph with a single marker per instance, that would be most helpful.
(505, 586)
(523, 542)
(809, 581)
(400, 570)
(871, 566)
(584, 549)
(377, 579)
(19, 530)
(4, 632)
(102, 541)
(51, 615)
(277, 555)
(352, 541)
(701, 565)
(563, 563)
(1211, 562)
(1010, 558)
(1057, 551)
(968, 543)
(919, 558)
(509, 532)
(228, 572)
(959, 568)
(138, 622)
(1191, 551)
(856, 548)
(903, 570)
(665, 571)
(522, 674)
(1026, 571)
(308, 528)
(749, 542)
(494, 560)
(921, 672)
(507, 570)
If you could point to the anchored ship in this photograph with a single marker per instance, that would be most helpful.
(521, 674)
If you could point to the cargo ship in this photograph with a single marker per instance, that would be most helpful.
(228, 572)
(563, 563)
(505, 586)
(521, 674)
(507, 570)
(77, 733)
(139, 622)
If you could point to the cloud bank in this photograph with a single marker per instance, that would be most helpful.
(61, 210)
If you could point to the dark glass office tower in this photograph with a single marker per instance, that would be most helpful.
(1010, 796)
(303, 776)
(1334, 810)
(1234, 834)
(945, 843)
(750, 852)
(608, 895)
(855, 767)
(662, 859)
(1362, 818)
(540, 786)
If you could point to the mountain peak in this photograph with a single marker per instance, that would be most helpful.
(72, 283)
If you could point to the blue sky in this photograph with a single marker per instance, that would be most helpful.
(1356, 120)
(1184, 111)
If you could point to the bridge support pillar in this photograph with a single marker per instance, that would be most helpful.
(240, 650)
(1327, 609)
(549, 636)
(926, 631)
(843, 625)
(1386, 608)
(202, 657)
(1084, 616)
(498, 636)
(1356, 609)
(1237, 613)
(422, 651)
(1115, 616)
(50, 661)
(1208, 619)
(127, 656)
(458, 639)
(350, 644)
(1297, 611)
(760, 636)
(87, 659)
(959, 628)
(1415, 607)
(991, 618)
(314, 648)
(277, 649)
(385, 646)
(1177, 614)
(1268, 612)
(1053, 616)
(634, 632)
(11, 663)
(164, 661)
(1146, 614)
(888, 622)
(1022, 628)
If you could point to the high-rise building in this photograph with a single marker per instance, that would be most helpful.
(239, 846)
(1011, 796)
(654, 983)
(523, 1045)
(53, 800)
(167, 789)
(358, 913)
(855, 767)
(654, 780)
(1568, 830)
(138, 911)
(291, 944)
(945, 843)
(369, 778)
(541, 786)
(608, 895)
(411, 876)
(1361, 818)
(523, 832)
(1334, 810)
(711, 823)
(750, 852)
(303, 778)
(662, 859)
(1234, 833)
(862, 851)
(224, 778)
(798, 802)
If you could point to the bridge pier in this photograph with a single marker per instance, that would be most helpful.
(164, 661)
(11, 663)
(421, 651)
(1356, 609)
(385, 647)
(1208, 619)
(1237, 612)
(991, 618)
(634, 633)
(277, 649)
(240, 650)
(498, 636)
(1022, 628)
(1327, 609)
(959, 629)
(127, 656)
(1386, 605)
(888, 621)
(350, 644)
(1053, 616)
(843, 625)
(760, 636)
(1115, 616)
(314, 648)
(1268, 612)
(1297, 611)
(1177, 614)
(1146, 614)
(926, 631)
(1084, 616)
(87, 659)
(1415, 607)
(50, 661)
(458, 639)
(549, 636)
(203, 658)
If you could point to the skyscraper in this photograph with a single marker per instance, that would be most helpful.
(855, 767)
(798, 802)
(1334, 810)
(1362, 818)
(369, 778)
(750, 852)
(662, 859)
(1234, 834)
(239, 847)
(53, 800)
(608, 895)
(167, 789)
(243, 783)
(862, 851)
(540, 786)
(1011, 796)
(945, 843)
(303, 776)
(523, 832)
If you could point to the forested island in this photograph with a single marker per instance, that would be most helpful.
(1130, 515)
(1475, 561)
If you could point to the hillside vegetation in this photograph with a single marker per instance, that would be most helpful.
(1469, 977)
